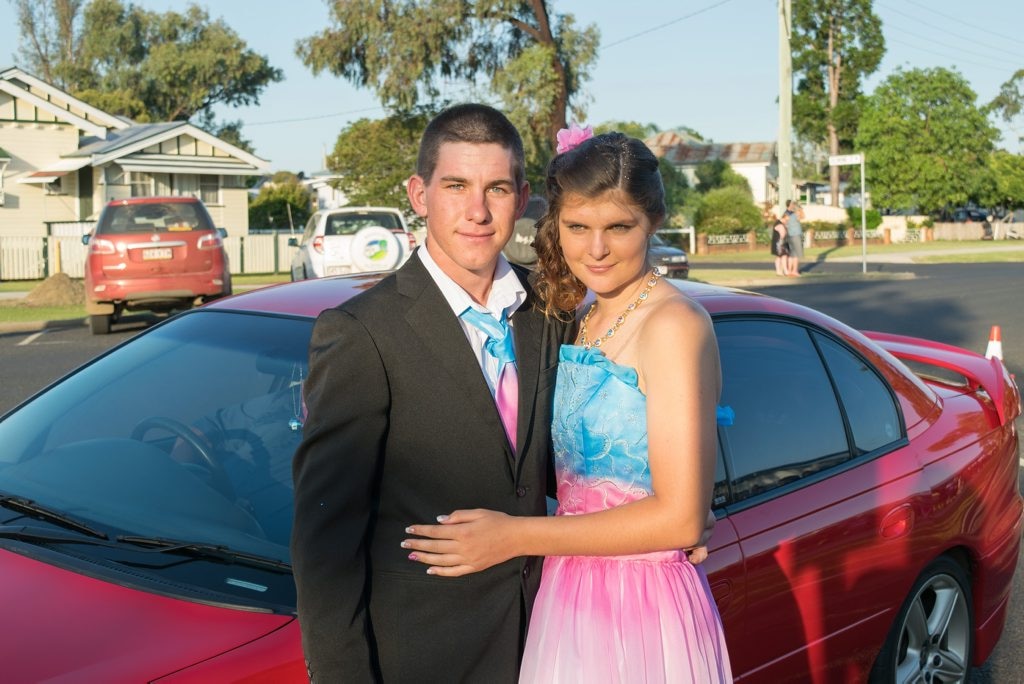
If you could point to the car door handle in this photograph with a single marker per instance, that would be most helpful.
(897, 522)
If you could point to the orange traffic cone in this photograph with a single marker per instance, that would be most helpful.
(995, 344)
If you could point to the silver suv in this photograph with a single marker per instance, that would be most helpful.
(351, 240)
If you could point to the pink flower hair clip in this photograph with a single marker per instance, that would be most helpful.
(569, 138)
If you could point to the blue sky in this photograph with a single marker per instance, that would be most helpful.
(707, 64)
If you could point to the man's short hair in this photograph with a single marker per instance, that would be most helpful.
(469, 123)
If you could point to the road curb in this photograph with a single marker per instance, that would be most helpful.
(37, 326)
(780, 281)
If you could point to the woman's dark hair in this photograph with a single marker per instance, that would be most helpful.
(611, 161)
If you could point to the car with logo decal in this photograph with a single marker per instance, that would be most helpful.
(351, 240)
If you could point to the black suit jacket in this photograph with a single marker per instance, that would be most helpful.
(401, 428)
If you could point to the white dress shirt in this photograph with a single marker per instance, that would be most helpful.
(507, 294)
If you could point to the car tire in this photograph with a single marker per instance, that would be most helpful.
(375, 248)
(933, 636)
(99, 324)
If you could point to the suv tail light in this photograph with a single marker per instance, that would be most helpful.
(100, 246)
(408, 236)
(318, 244)
(210, 241)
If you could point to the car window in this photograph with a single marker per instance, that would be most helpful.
(785, 419)
(307, 235)
(870, 408)
(112, 445)
(153, 218)
(350, 224)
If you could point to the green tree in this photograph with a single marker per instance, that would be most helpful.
(533, 61)
(146, 65)
(926, 141)
(375, 157)
(717, 173)
(281, 204)
(1009, 103)
(728, 210)
(1007, 174)
(836, 43)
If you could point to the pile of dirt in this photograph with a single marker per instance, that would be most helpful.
(57, 290)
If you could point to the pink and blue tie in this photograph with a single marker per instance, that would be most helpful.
(499, 345)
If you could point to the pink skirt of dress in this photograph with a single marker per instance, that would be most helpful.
(648, 618)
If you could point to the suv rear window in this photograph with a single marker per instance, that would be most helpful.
(154, 218)
(350, 224)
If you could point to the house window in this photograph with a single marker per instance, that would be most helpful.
(141, 184)
(186, 185)
(209, 189)
(55, 187)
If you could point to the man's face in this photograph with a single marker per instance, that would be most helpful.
(470, 205)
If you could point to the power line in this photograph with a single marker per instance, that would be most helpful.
(955, 60)
(967, 23)
(973, 41)
(314, 118)
(612, 44)
(992, 60)
(666, 24)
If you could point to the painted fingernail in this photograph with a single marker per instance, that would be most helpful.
(430, 571)
(413, 556)
(409, 530)
(405, 545)
(442, 518)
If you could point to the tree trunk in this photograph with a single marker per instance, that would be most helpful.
(558, 118)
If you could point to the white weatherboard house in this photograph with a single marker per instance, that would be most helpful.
(62, 160)
(755, 161)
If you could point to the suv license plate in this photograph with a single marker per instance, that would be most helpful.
(156, 253)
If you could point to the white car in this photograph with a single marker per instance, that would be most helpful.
(351, 240)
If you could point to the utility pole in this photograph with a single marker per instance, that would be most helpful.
(785, 147)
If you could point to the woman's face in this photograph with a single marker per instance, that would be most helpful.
(604, 240)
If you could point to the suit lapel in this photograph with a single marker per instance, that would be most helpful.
(526, 327)
(439, 331)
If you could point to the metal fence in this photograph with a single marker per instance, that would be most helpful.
(62, 251)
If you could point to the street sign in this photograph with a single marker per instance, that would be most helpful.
(845, 159)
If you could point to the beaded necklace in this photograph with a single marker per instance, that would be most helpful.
(644, 294)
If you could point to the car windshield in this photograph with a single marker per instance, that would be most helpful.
(153, 218)
(350, 224)
(187, 432)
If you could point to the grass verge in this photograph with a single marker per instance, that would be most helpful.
(18, 312)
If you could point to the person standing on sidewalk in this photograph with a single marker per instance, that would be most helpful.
(794, 236)
(779, 248)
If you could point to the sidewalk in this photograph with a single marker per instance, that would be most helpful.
(908, 257)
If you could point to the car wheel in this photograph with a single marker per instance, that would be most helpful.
(375, 248)
(932, 638)
(100, 324)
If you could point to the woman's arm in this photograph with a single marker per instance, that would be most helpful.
(680, 374)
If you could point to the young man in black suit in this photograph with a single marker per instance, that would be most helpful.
(409, 418)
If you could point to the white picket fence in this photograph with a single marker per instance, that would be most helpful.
(35, 258)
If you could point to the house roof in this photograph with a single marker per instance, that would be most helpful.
(683, 153)
(124, 138)
(57, 102)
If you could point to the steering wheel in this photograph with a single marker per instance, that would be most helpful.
(218, 476)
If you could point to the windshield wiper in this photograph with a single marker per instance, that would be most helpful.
(37, 510)
(32, 533)
(207, 551)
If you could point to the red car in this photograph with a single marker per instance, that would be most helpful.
(155, 254)
(869, 517)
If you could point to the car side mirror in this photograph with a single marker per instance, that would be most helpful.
(85, 239)
(223, 232)
(293, 242)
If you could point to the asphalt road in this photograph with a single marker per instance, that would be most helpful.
(952, 303)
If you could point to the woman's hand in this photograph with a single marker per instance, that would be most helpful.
(466, 541)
